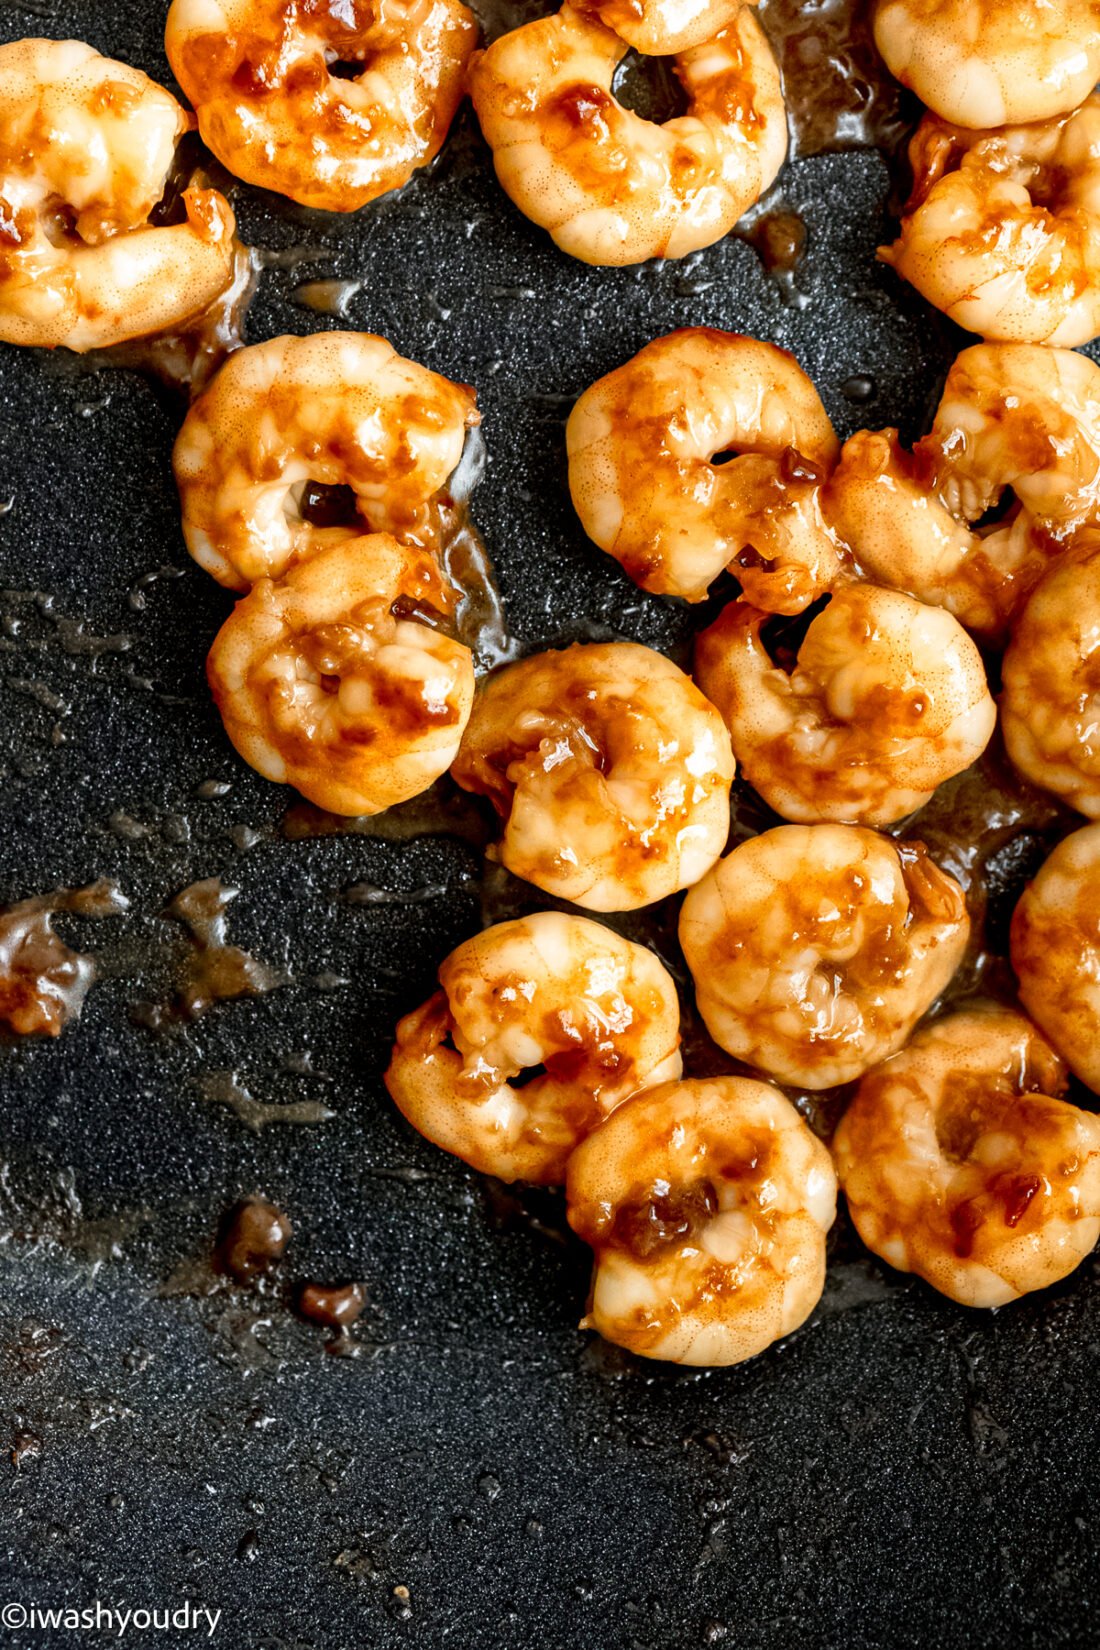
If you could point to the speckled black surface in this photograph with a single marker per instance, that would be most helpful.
(900, 1473)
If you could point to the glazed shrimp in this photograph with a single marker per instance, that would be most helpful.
(1013, 419)
(815, 949)
(1002, 230)
(610, 771)
(1055, 944)
(329, 680)
(887, 698)
(707, 1205)
(611, 187)
(336, 408)
(86, 149)
(961, 1163)
(658, 27)
(1050, 708)
(988, 62)
(259, 73)
(597, 1013)
(642, 444)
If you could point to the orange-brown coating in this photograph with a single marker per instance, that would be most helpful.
(658, 27)
(1055, 944)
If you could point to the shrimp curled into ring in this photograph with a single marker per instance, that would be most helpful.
(258, 73)
(1050, 708)
(336, 408)
(610, 771)
(988, 62)
(1056, 951)
(597, 1012)
(707, 1205)
(658, 27)
(611, 187)
(1013, 418)
(86, 149)
(1002, 230)
(325, 683)
(887, 699)
(961, 1163)
(642, 444)
(815, 949)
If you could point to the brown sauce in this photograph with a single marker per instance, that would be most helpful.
(215, 970)
(43, 982)
(252, 1238)
(224, 1088)
(839, 92)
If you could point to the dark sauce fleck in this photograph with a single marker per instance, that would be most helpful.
(253, 1236)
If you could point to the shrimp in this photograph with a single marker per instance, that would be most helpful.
(707, 1205)
(598, 1014)
(1002, 229)
(87, 146)
(642, 444)
(336, 409)
(1014, 419)
(886, 699)
(815, 949)
(1055, 942)
(659, 27)
(329, 679)
(990, 62)
(261, 76)
(610, 771)
(1050, 708)
(961, 1162)
(611, 187)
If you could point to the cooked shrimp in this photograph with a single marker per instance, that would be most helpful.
(260, 74)
(336, 408)
(659, 27)
(1056, 951)
(598, 1014)
(815, 949)
(642, 444)
(1002, 230)
(329, 680)
(610, 771)
(86, 149)
(960, 1162)
(707, 1205)
(1050, 708)
(988, 62)
(611, 187)
(887, 698)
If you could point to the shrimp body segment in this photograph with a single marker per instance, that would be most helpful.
(86, 149)
(642, 444)
(887, 699)
(258, 73)
(658, 27)
(325, 683)
(609, 769)
(815, 949)
(991, 62)
(961, 1162)
(1002, 231)
(707, 1205)
(598, 1013)
(1056, 951)
(334, 408)
(613, 188)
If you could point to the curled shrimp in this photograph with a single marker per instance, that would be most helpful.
(886, 699)
(610, 771)
(86, 149)
(598, 1014)
(1002, 230)
(961, 1162)
(990, 62)
(1055, 942)
(1050, 707)
(259, 73)
(1014, 419)
(613, 188)
(642, 444)
(329, 680)
(659, 27)
(335, 409)
(815, 949)
(707, 1205)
